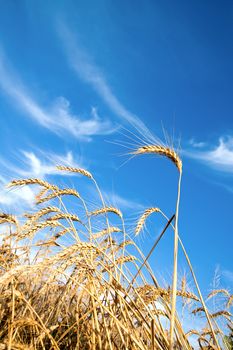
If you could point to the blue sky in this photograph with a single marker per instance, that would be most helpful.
(80, 81)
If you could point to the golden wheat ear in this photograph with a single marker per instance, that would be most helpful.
(163, 151)
(142, 219)
(8, 218)
(218, 291)
(34, 181)
(75, 170)
(57, 194)
(106, 210)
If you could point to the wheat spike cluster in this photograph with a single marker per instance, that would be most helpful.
(72, 277)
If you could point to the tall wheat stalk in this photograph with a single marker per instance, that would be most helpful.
(175, 263)
(173, 156)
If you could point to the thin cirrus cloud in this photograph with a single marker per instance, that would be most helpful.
(219, 157)
(90, 73)
(32, 165)
(40, 164)
(122, 202)
(228, 275)
(58, 117)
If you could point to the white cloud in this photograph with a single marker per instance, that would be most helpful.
(15, 200)
(40, 165)
(58, 117)
(41, 168)
(87, 71)
(31, 166)
(196, 144)
(220, 157)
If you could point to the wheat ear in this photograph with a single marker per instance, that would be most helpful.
(142, 219)
(230, 301)
(75, 170)
(65, 191)
(35, 181)
(218, 291)
(106, 210)
(163, 151)
(7, 218)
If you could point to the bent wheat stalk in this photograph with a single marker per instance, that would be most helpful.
(173, 156)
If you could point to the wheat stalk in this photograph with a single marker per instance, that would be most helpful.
(173, 156)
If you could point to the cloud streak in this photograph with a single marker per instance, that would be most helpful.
(88, 72)
(31, 166)
(58, 117)
(40, 165)
(228, 275)
(123, 203)
(219, 157)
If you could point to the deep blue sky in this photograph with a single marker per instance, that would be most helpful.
(75, 75)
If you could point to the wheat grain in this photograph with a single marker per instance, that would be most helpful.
(106, 231)
(61, 192)
(230, 301)
(187, 295)
(106, 210)
(192, 332)
(38, 226)
(143, 218)
(218, 291)
(223, 313)
(197, 310)
(75, 170)
(63, 216)
(209, 332)
(7, 218)
(161, 150)
(35, 181)
(42, 212)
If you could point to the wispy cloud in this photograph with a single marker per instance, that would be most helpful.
(90, 73)
(219, 157)
(57, 117)
(40, 164)
(122, 203)
(15, 199)
(31, 166)
(196, 144)
(228, 275)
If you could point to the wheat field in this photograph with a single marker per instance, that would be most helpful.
(74, 278)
